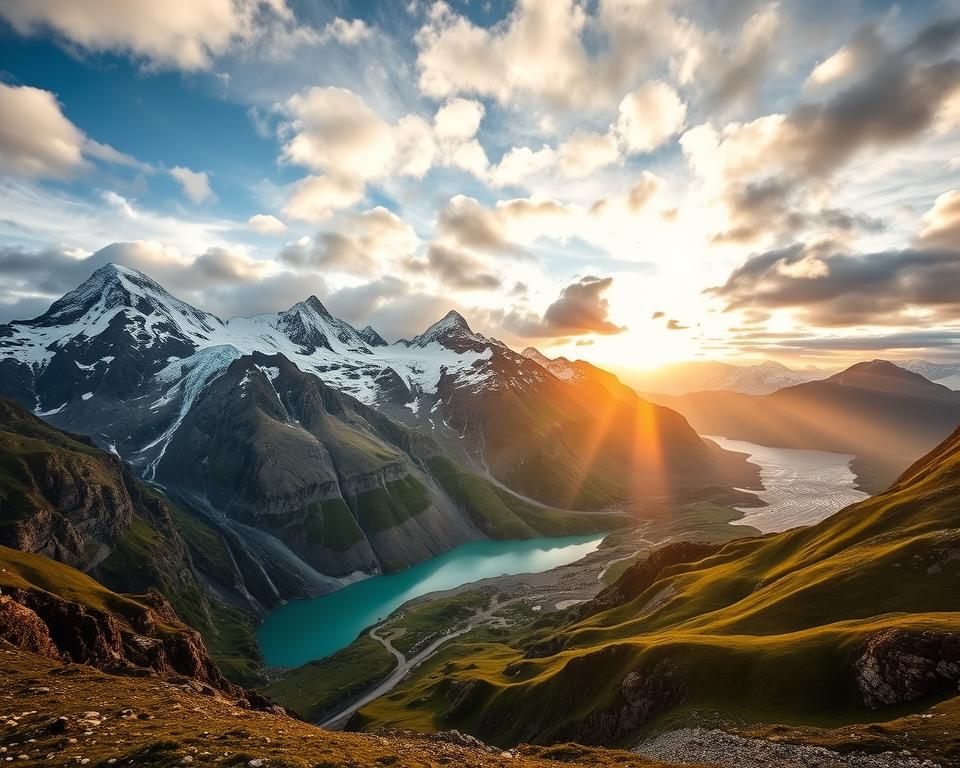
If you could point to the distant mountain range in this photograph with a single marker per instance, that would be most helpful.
(883, 414)
(711, 375)
(759, 379)
(316, 451)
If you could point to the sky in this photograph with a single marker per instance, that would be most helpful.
(631, 182)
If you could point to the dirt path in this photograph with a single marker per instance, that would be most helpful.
(404, 665)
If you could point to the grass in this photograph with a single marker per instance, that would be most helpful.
(388, 507)
(418, 624)
(151, 723)
(765, 630)
(331, 524)
(503, 515)
(316, 688)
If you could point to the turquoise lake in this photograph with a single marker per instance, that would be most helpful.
(304, 630)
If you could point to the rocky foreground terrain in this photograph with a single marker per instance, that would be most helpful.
(56, 715)
(727, 749)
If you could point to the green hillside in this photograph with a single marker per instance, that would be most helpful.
(788, 628)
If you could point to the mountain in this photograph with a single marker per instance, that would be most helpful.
(122, 360)
(710, 375)
(947, 374)
(311, 452)
(844, 634)
(875, 410)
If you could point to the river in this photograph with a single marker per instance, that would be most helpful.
(304, 630)
(801, 487)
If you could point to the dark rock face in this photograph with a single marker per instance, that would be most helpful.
(82, 634)
(902, 665)
(21, 627)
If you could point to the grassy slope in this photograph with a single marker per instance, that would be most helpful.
(766, 629)
(502, 515)
(25, 570)
(313, 689)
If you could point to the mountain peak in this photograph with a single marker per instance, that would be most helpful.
(372, 338)
(451, 331)
(532, 353)
(884, 375)
(311, 303)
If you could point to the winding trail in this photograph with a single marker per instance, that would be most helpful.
(404, 665)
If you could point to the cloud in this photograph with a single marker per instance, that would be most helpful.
(863, 53)
(580, 309)
(457, 269)
(266, 224)
(540, 50)
(195, 184)
(347, 32)
(771, 174)
(584, 153)
(391, 305)
(315, 198)
(182, 35)
(37, 140)
(649, 116)
(737, 73)
(348, 145)
(333, 131)
(829, 289)
(365, 244)
(941, 224)
(520, 163)
(458, 119)
(641, 193)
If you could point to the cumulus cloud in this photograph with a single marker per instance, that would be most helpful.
(649, 116)
(347, 32)
(37, 139)
(520, 163)
(458, 119)
(348, 145)
(266, 224)
(584, 153)
(182, 35)
(457, 269)
(580, 309)
(539, 50)
(941, 224)
(315, 198)
(365, 244)
(195, 184)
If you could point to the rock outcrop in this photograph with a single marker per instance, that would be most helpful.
(901, 665)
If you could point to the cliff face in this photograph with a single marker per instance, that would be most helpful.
(55, 611)
(335, 483)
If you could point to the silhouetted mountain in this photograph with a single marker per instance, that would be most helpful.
(875, 410)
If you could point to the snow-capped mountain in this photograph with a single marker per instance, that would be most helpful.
(947, 374)
(275, 423)
(709, 375)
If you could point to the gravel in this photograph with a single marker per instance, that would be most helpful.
(700, 745)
